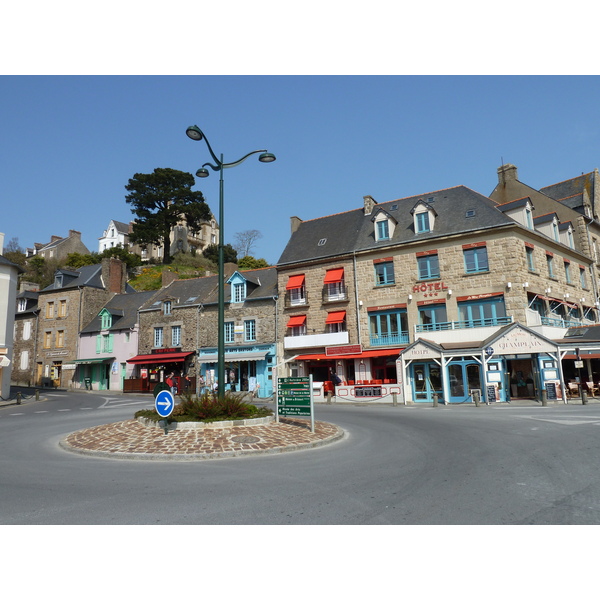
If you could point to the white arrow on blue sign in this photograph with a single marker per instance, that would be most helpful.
(164, 403)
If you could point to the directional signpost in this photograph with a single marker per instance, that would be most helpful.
(295, 398)
(164, 404)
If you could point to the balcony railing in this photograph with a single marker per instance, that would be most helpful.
(340, 294)
(294, 301)
(394, 339)
(558, 322)
(470, 324)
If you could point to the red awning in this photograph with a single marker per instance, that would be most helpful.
(334, 275)
(295, 282)
(365, 354)
(336, 317)
(166, 357)
(297, 321)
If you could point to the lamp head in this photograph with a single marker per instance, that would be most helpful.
(194, 133)
(202, 172)
(267, 157)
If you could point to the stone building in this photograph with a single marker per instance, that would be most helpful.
(64, 307)
(404, 299)
(25, 338)
(178, 332)
(58, 248)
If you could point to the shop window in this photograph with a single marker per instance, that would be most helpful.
(429, 266)
(384, 272)
(476, 259)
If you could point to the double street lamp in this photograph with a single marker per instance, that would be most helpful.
(195, 133)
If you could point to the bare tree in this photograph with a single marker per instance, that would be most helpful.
(245, 241)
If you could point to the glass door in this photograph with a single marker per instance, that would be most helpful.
(426, 382)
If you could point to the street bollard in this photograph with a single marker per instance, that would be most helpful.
(394, 399)
(583, 397)
(328, 397)
(37, 395)
(475, 396)
(544, 397)
(18, 397)
(435, 399)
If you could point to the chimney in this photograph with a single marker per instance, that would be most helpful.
(114, 275)
(168, 277)
(369, 204)
(295, 223)
(73, 233)
(55, 238)
(507, 173)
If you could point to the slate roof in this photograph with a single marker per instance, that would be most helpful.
(351, 231)
(205, 291)
(571, 187)
(124, 309)
(89, 276)
(8, 263)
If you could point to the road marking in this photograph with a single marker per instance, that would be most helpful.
(37, 412)
(64, 410)
(15, 414)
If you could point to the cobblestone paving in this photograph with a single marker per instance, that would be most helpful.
(133, 440)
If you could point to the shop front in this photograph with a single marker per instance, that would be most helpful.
(247, 369)
(93, 373)
(154, 368)
(515, 363)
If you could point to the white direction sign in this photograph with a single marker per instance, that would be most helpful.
(164, 403)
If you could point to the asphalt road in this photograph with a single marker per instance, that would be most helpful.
(396, 465)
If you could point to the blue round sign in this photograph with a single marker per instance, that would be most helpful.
(164, 403)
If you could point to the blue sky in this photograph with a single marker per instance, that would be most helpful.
(69, 144)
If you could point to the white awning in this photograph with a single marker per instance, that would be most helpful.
(232, 357)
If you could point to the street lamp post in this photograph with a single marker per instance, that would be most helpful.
(196, 134)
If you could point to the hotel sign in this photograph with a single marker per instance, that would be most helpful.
(420, 352)
(519, 341)
(342, 350)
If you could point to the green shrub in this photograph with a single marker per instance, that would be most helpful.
(209, 408)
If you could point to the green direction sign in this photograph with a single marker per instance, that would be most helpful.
(294, 396)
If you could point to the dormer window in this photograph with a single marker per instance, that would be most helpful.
(58, 280)
(384, 225)
(529, 216)
(106, 319)
(239, 292)
(424, 217)
(167, 305)
(22, 305)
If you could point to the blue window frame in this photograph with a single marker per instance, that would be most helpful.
(550, 263)
(530, 259)
(384, 273)
(250, 330)
(568, 272)
(482, 313)
(239, 292)
(388, 327)
(429, 266)
(476, 259)
(582, 279)
(383, 230)
(423, 222)
(432, 317)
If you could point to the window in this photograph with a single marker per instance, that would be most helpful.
(250, 330)
(158, 337)
(384, 273)
(106, 320)
(239, 292)
(422, 222)
(568, 271)
(47, 339)
(429, 267)
(383, 230)
(336, 321)
(106, 342)
(50, 310)
(482, 313)
(24, 363)
(334, 285)
(26, 330)
(60, 338)
(296, 325)
(167, 304)
(176, 335)
(555, 232)
(476, 259)
(229, 332)
(22, 304)
(530, 259)
(62, 308)
(550, 263)
(432, 316)
(570, 240)
(582, 279)
(298, 296)
(528, 217)
(388, 327)
(296, 290)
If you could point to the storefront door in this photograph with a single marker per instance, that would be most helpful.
(426, 380)
(464, 376)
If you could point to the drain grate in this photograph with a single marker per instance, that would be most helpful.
(245, 439)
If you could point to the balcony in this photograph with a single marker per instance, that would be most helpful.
(475, 330)
(315, 340)
(337, 293)
(295, 300)
(395, 339)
